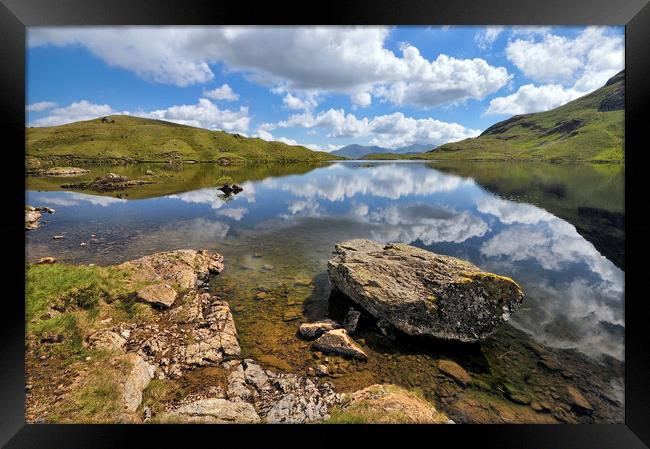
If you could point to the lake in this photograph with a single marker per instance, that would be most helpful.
(555, 229)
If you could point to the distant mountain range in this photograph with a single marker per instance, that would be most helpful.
(355, 151)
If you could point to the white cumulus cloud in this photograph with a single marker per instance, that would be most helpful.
(224, 92)
(76, 111)
(347, 60)
(392, 130)
(41, 106)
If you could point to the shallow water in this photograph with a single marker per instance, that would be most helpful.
(526, 221)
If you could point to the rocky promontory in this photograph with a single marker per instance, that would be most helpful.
(422, 293)
(157, 346)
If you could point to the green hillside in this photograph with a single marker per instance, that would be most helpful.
(590, 128)
(131, 139)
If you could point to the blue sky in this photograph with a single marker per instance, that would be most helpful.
(324, 87)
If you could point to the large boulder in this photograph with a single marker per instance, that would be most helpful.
(422, 293)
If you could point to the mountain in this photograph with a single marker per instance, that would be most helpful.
(414, 148)
(355, 151)
(122, 138)
(588, 129)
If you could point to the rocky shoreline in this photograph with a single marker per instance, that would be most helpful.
(175, 356)
(191, 329)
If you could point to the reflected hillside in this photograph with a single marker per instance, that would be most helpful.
(589, 196)
(169, 179)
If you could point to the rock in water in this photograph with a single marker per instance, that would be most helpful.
(309, 331)
(339, 342)
(422, 293)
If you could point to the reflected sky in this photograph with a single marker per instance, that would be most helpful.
(574, 295)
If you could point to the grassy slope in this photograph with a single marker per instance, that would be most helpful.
(140, 139)
(545, 136)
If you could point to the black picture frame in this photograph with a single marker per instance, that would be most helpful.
(16, 15)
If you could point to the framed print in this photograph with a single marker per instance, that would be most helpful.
(412, 217)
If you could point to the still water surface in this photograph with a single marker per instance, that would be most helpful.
(556, 230)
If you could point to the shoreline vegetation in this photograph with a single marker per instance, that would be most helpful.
(588, 129)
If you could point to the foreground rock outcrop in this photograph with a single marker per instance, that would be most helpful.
(184, 268)
(422, 293)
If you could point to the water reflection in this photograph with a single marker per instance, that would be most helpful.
(574, 293)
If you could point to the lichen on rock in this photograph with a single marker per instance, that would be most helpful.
(422, 293)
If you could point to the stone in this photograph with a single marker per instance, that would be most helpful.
(60, 171)
(160, 295)
(237, 388)
(291, 315)
(190, 310)
(578, 402)
(136, 381)
(351, 320)
(303, 282)
(338, 342)
(454, 370)
(181, 268)
(57, 237)
(106, 339)
(422, 293)
(479, 407)
(386, 329)
(46, 260)
(388, 404)
(229, 189)
(214, 410)
(322, 370)
(309, 331)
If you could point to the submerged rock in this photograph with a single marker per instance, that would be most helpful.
(338, 341)
(422, 293)
(388, 404)
(455, 371)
